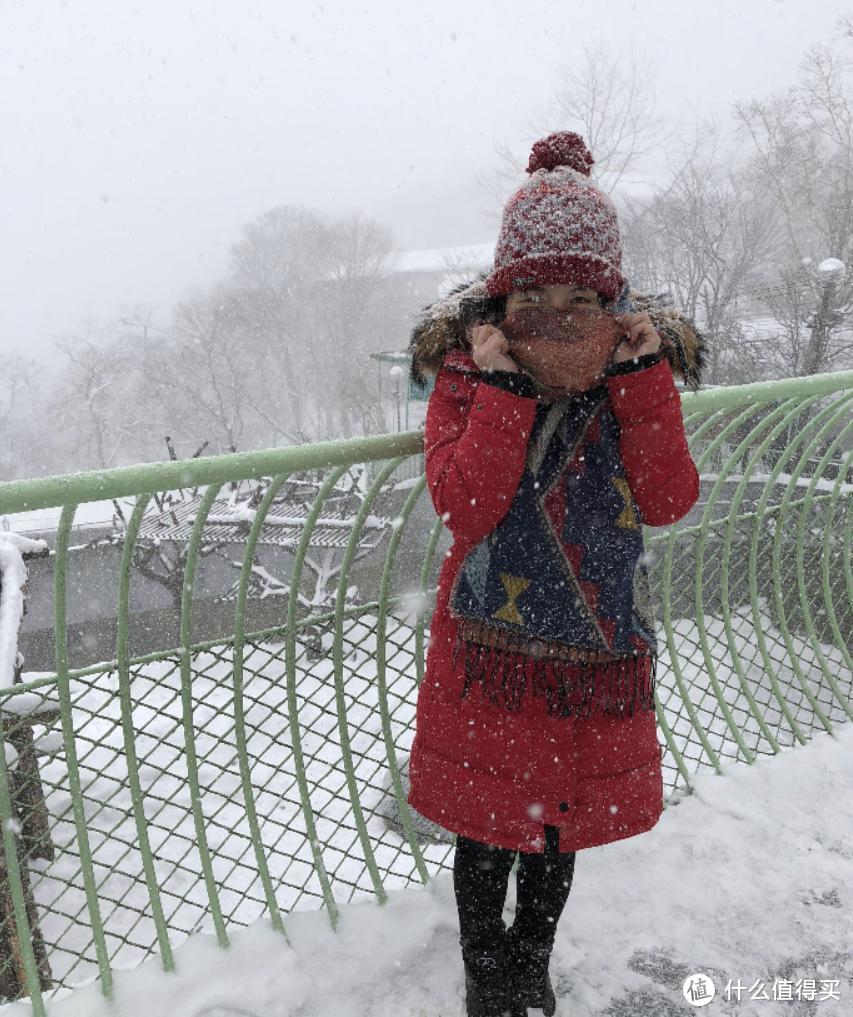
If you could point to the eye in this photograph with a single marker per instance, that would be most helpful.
(532, 297)
(583, 298)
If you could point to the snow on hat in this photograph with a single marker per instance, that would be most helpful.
(557, 227)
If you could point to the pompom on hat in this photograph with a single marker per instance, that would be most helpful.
(557, 227)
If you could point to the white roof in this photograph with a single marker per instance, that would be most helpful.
(443, 259)
(89, 513)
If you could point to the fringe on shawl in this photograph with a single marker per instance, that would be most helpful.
(573, 681)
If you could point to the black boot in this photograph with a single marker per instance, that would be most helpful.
(528, 965)
(488, 984)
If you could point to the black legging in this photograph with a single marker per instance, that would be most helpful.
(480, 879)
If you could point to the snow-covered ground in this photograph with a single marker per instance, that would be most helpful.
(733, 856)
(161, 750)
(748, 881)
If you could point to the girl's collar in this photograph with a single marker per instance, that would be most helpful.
(461, 360)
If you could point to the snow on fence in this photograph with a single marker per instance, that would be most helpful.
(214, 783)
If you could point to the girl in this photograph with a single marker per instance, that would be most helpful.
(553, 433)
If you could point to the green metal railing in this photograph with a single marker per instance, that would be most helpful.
(216, 781)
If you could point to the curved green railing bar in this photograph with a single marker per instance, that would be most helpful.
(15, 888)
(187, 714)
(194, 783)
(125, 696)
(75, 789)
(239, 705)
(292, 703)
(340, 696)
(381, 675)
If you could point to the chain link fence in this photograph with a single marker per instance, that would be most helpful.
(205, 786)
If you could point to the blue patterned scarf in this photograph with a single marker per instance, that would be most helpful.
(556, 598)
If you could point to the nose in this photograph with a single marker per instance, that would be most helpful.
(560, 298)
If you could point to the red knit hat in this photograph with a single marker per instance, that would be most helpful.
(557, 228)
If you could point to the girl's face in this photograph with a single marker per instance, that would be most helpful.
(551, 296)
(560, 335)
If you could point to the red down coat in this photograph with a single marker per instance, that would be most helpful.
(475, 768)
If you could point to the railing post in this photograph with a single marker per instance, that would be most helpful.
(24, 966)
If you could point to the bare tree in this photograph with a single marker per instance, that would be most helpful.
(278, 353)
(202, 374)
(803, 145)
(309, 289)
(17, 376)
(17, 382)
(355, 265)
(273, 265)
(278, 253)
(705, 239)
(96, 407)
(610, 100)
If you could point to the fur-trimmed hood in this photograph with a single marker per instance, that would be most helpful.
(442, 327)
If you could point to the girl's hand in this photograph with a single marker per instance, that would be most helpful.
(641, 337)
(489, 348)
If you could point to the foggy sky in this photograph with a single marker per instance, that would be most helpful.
(138, 138)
